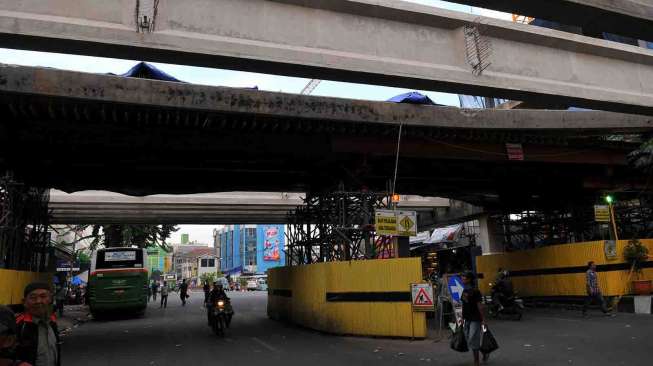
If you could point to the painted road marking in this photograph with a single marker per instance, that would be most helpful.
(269, 348)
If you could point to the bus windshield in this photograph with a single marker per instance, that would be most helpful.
(119, 258)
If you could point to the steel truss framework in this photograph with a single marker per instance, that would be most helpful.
(532, 229)
(337, 226)
(24, 237)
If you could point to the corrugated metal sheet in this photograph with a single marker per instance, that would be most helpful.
(613, 283)
(309, 285)
(12, 284)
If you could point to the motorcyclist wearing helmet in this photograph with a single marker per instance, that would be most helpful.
(216, 294)
(502, 288)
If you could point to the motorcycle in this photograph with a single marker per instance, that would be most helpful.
(221, 316)
(510, 304)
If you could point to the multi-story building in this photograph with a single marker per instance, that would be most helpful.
(185, 260)
(207, 263)
(249, 249)
(159, 260)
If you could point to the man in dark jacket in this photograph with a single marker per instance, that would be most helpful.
(38, 335)
(207, 290)
(183, 292)
(218, 293)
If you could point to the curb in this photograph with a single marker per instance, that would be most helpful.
(636, 305)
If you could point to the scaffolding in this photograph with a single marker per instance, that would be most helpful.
(24, 237)
(337, 226)
(537, 228)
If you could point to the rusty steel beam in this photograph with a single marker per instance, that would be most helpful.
(379, 42)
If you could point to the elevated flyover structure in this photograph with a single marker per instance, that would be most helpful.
(76, 131)
(381, 42)
(633, 18)
(90, 207)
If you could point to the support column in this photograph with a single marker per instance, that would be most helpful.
(402, 247)
(490, 237)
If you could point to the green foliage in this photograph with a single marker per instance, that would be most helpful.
(642, 158)
(83, 257)
(635, 253)
(117, 235)
(209, 277)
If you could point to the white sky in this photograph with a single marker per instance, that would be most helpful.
(207, 76)
(203, 234)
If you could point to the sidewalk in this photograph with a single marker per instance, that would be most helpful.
(73, 316)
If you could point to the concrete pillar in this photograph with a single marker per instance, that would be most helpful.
(402, 247)
(490, 238)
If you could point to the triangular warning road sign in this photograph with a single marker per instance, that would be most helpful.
(423, 298)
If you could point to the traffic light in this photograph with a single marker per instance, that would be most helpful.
(609, 199)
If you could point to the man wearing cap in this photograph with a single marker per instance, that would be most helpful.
(38, 336)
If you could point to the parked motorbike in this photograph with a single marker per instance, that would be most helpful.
(222, 314)
(508, 304)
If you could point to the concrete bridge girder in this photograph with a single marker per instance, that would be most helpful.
(377, 42)
(631, 18)
(212, 208)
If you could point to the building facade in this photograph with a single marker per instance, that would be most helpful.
(158, 259)
(207, 263)
(185, 259)
(249, 249)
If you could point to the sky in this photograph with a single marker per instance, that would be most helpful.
(218, 77)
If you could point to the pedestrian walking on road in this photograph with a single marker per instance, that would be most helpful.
(594, 290)
(473, 317)
(154, 289)
(60, 299)
(183, 292)
(38, 335)
(164, 295)
(207, 290)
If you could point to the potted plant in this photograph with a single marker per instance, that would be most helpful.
(635, 254)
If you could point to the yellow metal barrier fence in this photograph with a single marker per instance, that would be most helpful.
(559, 270)
(12, 284)
(369, 298)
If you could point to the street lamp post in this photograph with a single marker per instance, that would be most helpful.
(609, 199)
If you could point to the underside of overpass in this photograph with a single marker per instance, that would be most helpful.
(74, 131)
(631, 18)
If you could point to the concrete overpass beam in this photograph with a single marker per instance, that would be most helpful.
(372, 41)
(633, 18)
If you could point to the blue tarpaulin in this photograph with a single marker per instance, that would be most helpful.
(143, 70)
(412, 98)
(77, 281)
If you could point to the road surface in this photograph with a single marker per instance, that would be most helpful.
(179, 336)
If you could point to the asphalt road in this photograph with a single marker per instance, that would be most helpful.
(179, 336)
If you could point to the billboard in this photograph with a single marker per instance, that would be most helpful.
(271, 243)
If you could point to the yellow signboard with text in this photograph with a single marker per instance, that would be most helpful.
(395, 223)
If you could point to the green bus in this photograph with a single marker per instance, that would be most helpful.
(118, 281)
